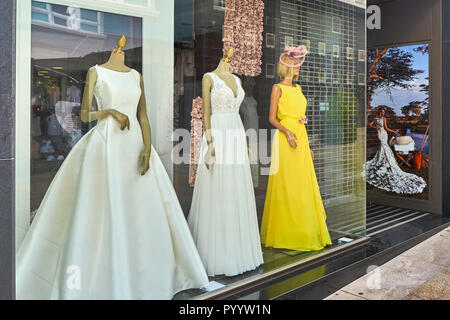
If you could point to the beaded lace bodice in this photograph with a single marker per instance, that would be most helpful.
(222, 96)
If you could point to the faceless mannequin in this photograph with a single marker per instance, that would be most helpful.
(223, 72)
(116, 62)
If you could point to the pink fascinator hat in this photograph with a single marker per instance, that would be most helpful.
(297, 53)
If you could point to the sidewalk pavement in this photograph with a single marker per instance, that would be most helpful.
(420, 273)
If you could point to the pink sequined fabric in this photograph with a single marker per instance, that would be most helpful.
(243, 28)
(196, 137)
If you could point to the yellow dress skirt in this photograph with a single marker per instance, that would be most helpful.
(294, 216)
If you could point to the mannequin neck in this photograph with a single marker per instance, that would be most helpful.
(223, 67)
(288, 81)
(116, 61)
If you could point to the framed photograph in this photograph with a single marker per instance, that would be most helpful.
(270, 70)
(219, 5)
(289, 41)
(362, 55)
(335, 51)
(349, 53)
(322, 48)
(361, 79)
(336, 25)
(270, 40)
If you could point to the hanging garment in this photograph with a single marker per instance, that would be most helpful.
(54, 95)
(223, 217)
(249, 110)
(294, 216)
(73, 94)
(196, 137)
(383, 172)
(243, 27)
(103, 231)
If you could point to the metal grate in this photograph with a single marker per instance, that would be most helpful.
(381, 218)
(329, 79)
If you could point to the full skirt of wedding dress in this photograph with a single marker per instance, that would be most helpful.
(383, 172)
(103, 231)
(223, 217)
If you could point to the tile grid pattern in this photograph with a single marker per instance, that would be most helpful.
(330, 23)
(331, 30)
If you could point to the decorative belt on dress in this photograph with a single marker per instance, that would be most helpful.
(299, 119)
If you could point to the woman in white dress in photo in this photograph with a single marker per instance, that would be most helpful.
(382, 171)
(223, 217)
(110, 225)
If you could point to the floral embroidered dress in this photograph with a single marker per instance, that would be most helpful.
(223, 218)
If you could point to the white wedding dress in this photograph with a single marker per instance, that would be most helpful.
(103, 231)
(223, 218)
(383, 172)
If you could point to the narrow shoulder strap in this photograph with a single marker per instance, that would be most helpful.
(236, 78)
(212, 75)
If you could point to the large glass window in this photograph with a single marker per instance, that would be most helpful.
(333, 80)
(66, 42)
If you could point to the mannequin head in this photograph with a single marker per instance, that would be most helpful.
(229, 55)
(285, 72)
(121, 42)
(290, 61)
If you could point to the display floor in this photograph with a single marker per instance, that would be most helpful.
(273, 259)
(321, 281)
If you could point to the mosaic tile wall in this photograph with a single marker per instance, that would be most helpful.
(329, 79)
(333, 80)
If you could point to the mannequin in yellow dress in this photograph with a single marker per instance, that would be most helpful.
(294, 216)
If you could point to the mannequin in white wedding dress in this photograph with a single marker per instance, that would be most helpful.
(223, 217)
(110, 225)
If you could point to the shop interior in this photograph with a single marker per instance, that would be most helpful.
(332, 79)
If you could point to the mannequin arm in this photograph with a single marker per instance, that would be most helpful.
(206, 97)
(87, 115)
(274, 98)
(144, 159)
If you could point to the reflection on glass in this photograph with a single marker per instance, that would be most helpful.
(66, 41)
(335, 110)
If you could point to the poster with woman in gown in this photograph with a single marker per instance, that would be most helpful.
(398, 126)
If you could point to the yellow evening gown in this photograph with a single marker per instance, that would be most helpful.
(294, 216)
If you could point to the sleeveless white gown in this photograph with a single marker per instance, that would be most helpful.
(383, 172)
(103, 231)
(223, 218)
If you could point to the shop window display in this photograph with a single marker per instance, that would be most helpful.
(335, 108)
(67, 42)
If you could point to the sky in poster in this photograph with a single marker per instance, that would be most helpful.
(401, 97)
